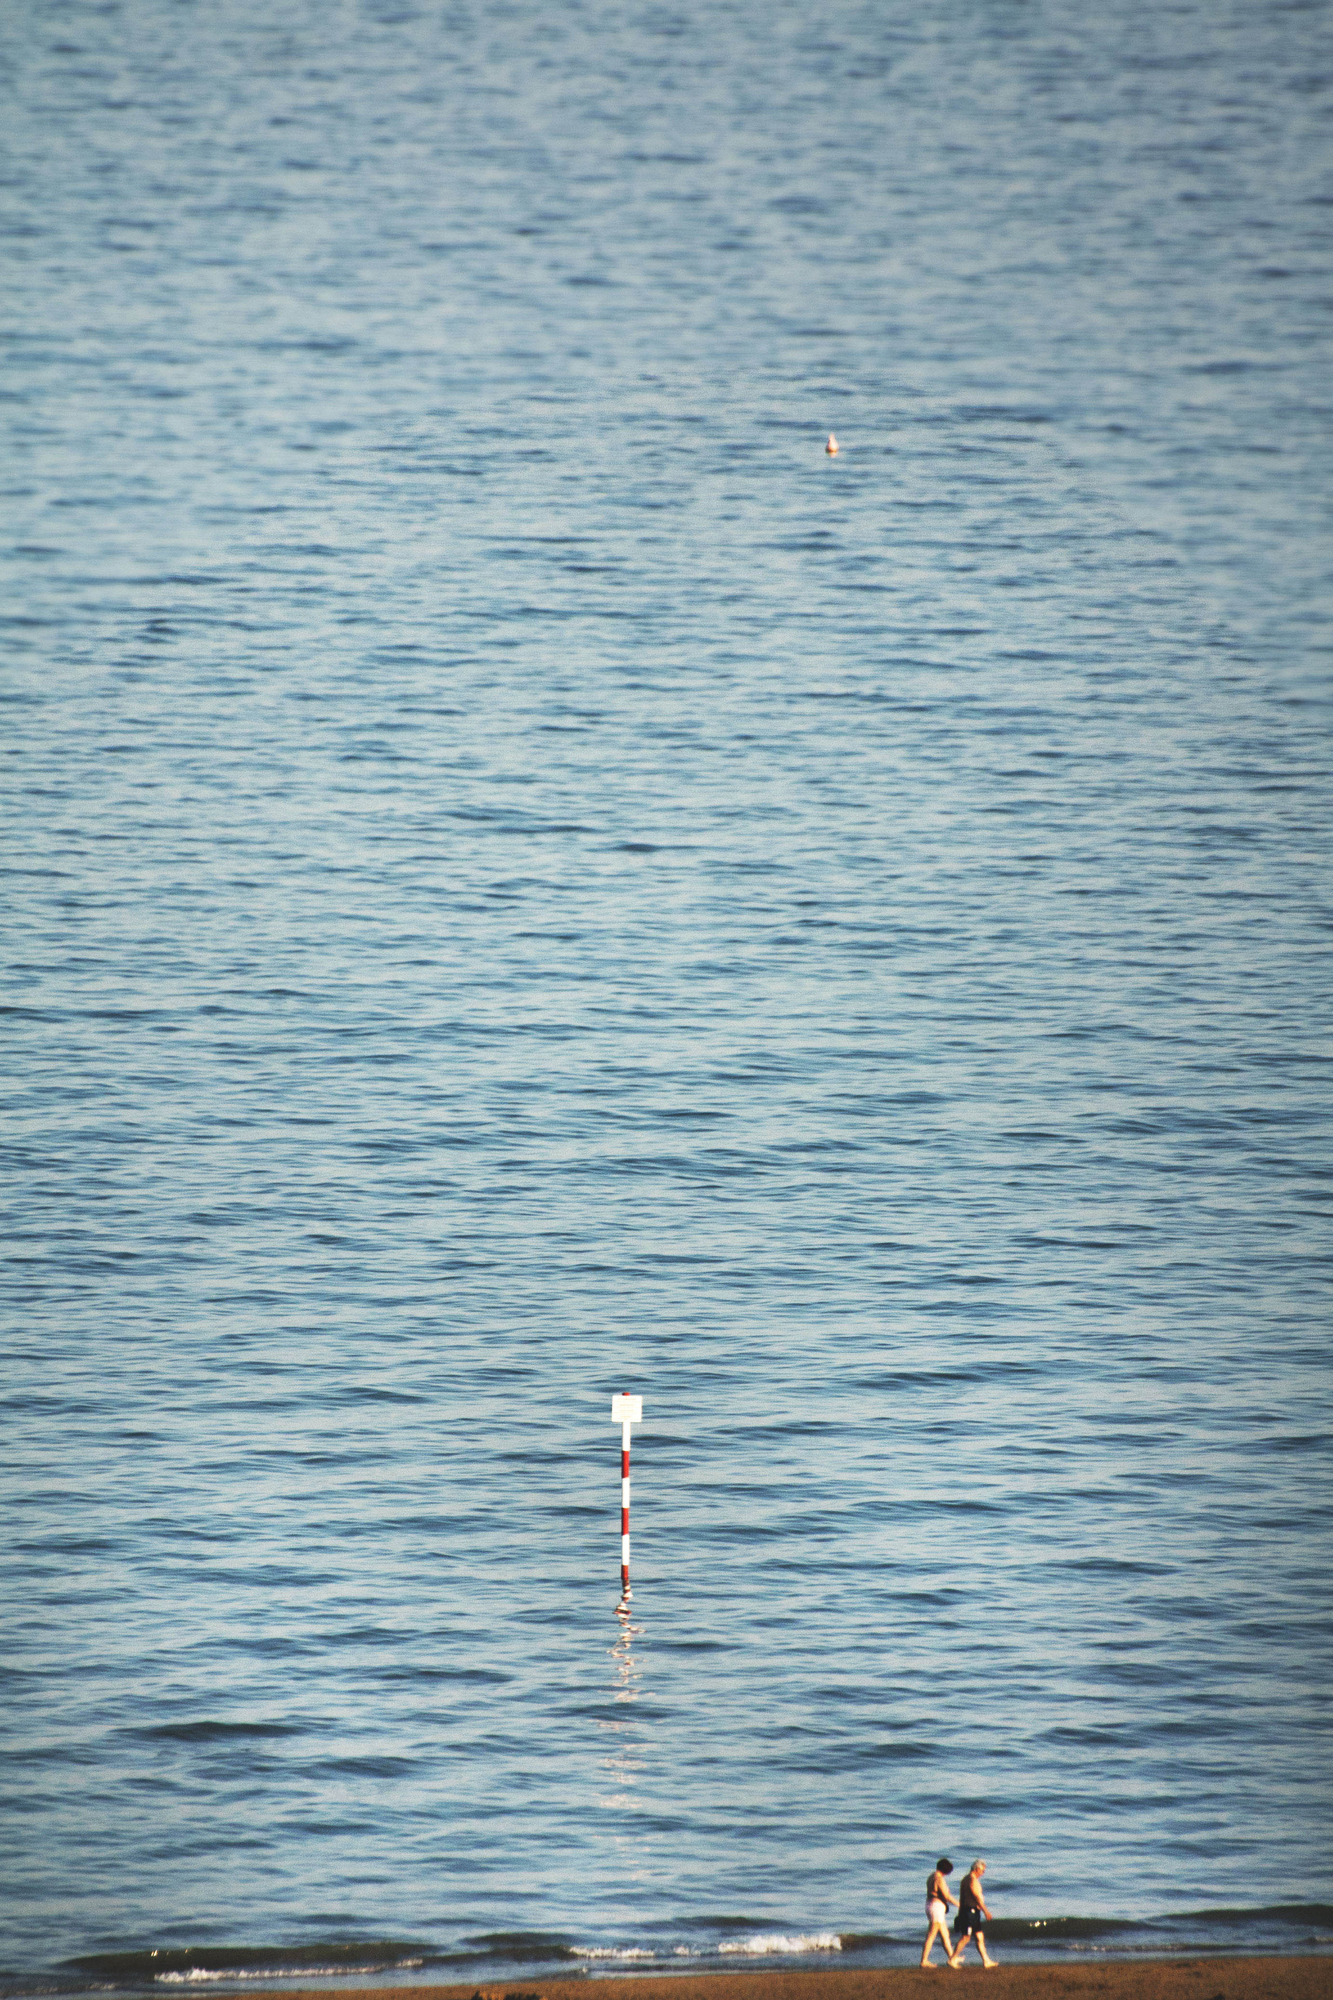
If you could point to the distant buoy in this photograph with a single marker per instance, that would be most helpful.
(831, 448)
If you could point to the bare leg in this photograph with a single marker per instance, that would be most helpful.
(937, 1930)
(986, 1958)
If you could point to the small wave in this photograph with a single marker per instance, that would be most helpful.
(1283, 1913)
(1037, 1929)
(775, 1945)
(1171, 1931)
(518, 1947)
(200, 1975)
(612, 1951)
(213, 1730)
(166, 1966)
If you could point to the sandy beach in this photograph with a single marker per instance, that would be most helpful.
(1143, 1979)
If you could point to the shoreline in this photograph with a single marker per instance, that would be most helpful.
(1305, 1976)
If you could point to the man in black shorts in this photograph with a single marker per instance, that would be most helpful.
(972, 1916)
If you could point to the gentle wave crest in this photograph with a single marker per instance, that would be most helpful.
(613, 1951)
(775, 1945)
(201, 1975)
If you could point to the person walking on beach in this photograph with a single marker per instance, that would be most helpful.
(938, 1900)
(972, 1916)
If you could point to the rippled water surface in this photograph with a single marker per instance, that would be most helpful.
(525, 878)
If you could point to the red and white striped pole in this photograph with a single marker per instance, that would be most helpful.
(625, 1410)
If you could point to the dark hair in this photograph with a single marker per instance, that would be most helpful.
(944, 1865)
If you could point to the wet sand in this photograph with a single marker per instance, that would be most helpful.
(1138, 1979)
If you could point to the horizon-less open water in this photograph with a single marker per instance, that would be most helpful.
(524, 878)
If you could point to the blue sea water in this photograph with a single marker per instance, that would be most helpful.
(525, 878)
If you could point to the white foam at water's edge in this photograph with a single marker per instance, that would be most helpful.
(198, 1975)
(767, 1945)
(773, 1946)
(612, 1951)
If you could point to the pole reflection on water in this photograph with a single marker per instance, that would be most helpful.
(625, 1760)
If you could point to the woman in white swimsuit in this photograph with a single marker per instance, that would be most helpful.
(938, 1900)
